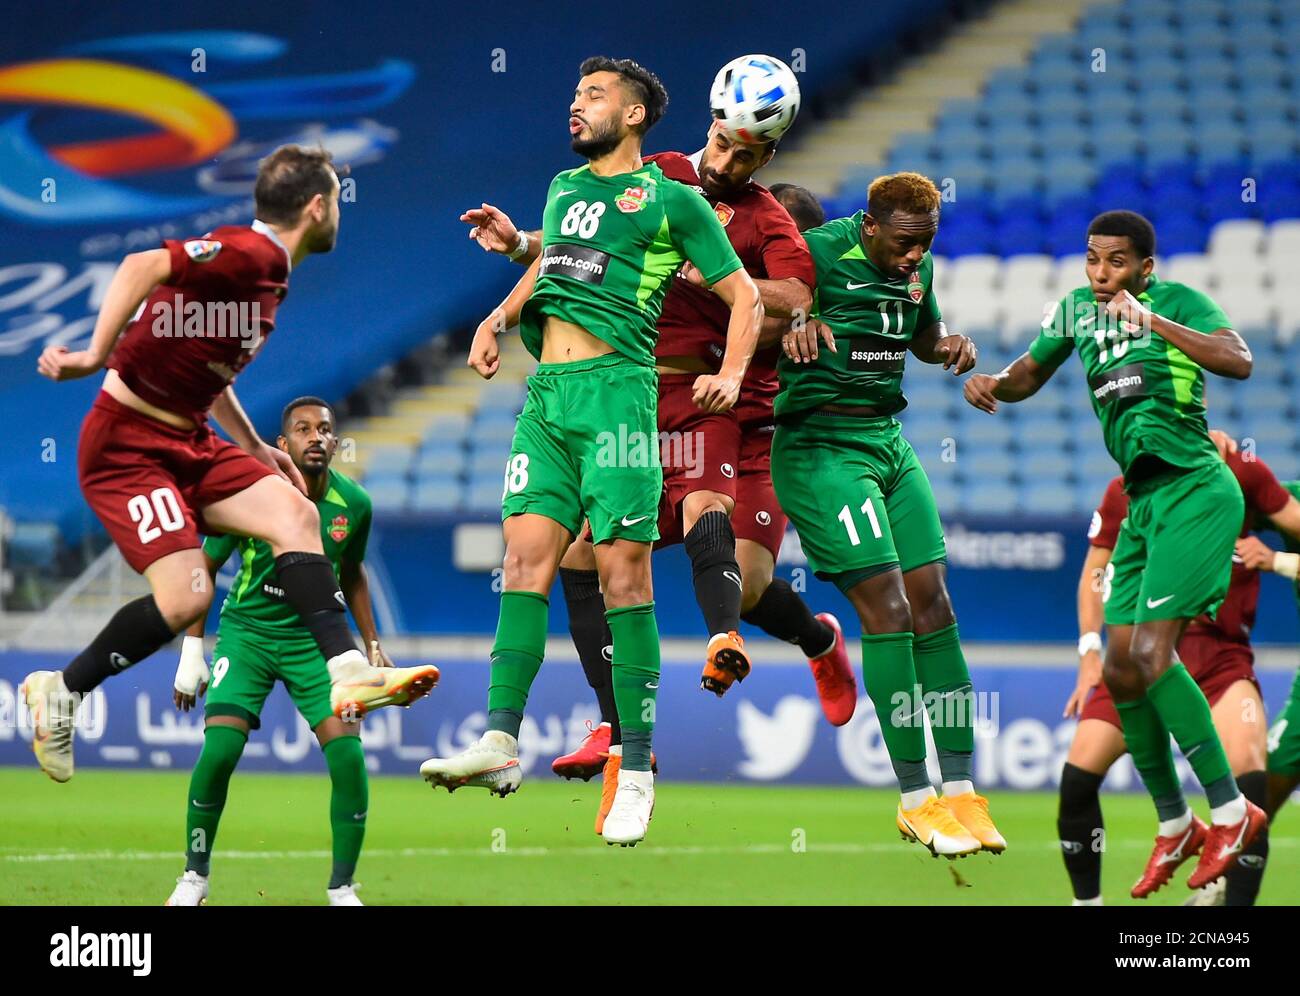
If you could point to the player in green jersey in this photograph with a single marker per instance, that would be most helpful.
(861, 503)
(1284, 734)
(614, 231)
(1144, 344)
(260, 641)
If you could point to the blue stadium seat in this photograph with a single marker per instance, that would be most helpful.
(388, 495)
(1054, 499)
(393, 460)
(438, 496)
(448, 462)
(989, 498)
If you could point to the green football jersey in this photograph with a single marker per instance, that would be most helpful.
(1148, 395)
(874, 316)
(610, 245)
(255, 596)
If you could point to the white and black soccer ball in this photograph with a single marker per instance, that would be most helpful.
(755, 97)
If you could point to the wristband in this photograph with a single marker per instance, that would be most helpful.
(521, 247)
(1089, 642)
(1287, 564)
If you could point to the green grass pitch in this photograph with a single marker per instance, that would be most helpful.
(112, 838)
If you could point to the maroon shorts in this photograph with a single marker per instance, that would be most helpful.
(758, 515)
(149, 482)
(699, 451)
(1214, 663)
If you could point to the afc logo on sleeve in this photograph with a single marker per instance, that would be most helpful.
(202, 250)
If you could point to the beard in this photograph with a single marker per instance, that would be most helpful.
(603, 141)
(714, 185)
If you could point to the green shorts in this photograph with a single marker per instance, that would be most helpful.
(1284, 736)
(1173, 555)
(857, 496)
(586, 446)
(247, 663)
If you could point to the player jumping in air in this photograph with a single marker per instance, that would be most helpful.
(1284, 734)
(614, 232)
(260, 641)
(718, 495)
(1144, 344)
(156, 474)
(1217, 653)
(861, 502)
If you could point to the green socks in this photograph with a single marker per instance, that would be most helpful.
(1186, 714)
(950, 700)
(1148, 743)
(349, 799)
(222, 747)
(635, 679)
(516, 657)
(890, 675)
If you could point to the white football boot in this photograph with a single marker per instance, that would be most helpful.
(54, 711)
(344, 895)
(491, 762)
(191, 890)
(634, 804)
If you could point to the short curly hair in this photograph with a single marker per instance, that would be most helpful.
(910, 193)
(643, 85)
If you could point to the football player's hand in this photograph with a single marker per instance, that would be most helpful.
(958, 352)
(492, 229)
(800, 343)
(716, 392)
(691, 274)
(57, 363)
(192, 674)
(484, 353)
(280, 461)
(1224, 443)
(1255, 554)
(978, 391)
(1125, 307)
(377, 656)
(1089, 678)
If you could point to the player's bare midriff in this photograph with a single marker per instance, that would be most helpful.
(118, 391)
(564, 342)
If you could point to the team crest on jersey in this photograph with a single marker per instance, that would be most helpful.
(633, 199)
(339, 528)
(725, 213)
(202, 250)
(916, 289)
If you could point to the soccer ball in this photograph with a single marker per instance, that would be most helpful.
(756, 98)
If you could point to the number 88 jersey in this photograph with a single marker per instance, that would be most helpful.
(609, 246)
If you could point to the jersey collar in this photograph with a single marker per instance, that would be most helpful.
(695, 158)
(262, 228)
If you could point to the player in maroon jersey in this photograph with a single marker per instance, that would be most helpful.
(195, 313)
(718, 496)
(1217, 653)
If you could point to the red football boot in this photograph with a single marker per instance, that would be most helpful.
(836, 685)
(1170, 852)
(1225, 843)
(589, 757)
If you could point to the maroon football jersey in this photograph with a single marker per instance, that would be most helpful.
(204, 324)
(1264, 496)
(694, 321)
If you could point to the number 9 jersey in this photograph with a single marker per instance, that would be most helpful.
(610, 245)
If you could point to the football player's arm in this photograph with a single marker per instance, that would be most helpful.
(229, 414)
(493, 230)
(484, 353)
(192, 673)
(1020, 380)
(784, 298)
(1257, 554)
(1208, 340)
(355, 585)
(772, 330)
(935, 345)
(135, 279)
(1090, 623)
(719, 392)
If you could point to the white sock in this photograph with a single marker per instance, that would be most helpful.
(346, 663)
(1170, 828)
(1094, 901)
(917, 796)
(1230, 812)
(958, 788)
(616, 750)
(601, 724)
